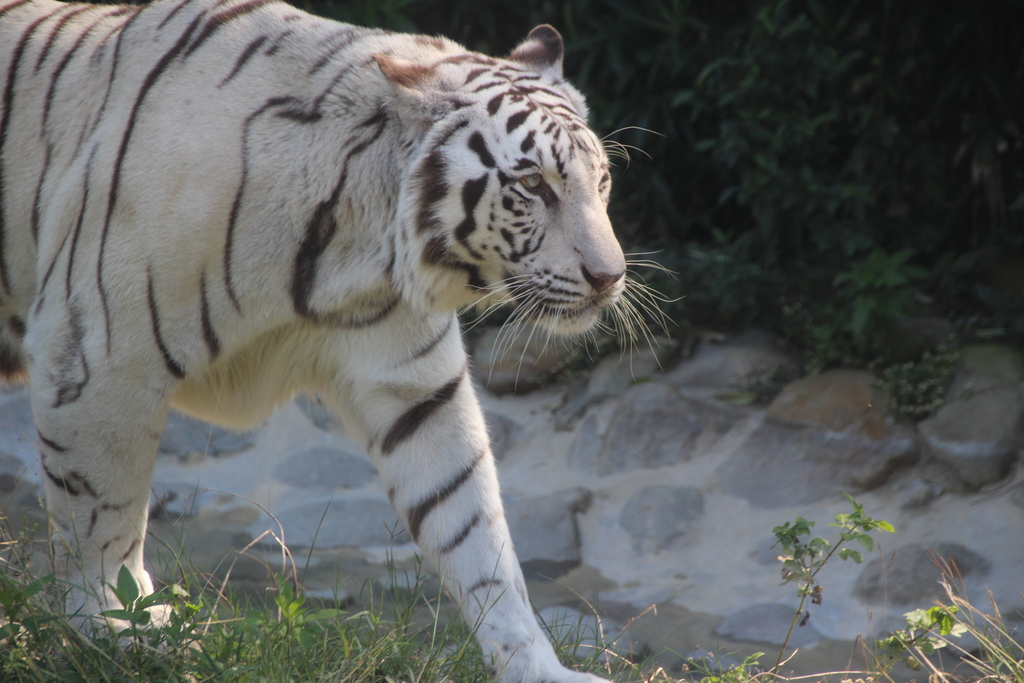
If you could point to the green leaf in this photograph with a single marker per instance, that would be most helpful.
(140, 617)
(127, 590)
(328, 613)
(866, 541)
(850, 554)
(37, 585)
(177, 591)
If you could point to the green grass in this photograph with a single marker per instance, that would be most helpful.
(404, 635)
(213, 634)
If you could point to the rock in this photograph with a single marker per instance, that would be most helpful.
(503, 433)
(316, 411)
(911, 577)
(611, 377)
(768, 623)
(825, 434)
(653, 426)
(617, 372)
(185, 437)
(980, 430)
(329, 523)
(986, 366)
(574, 403)
(657, 515)
(586, 446)
(508, 363)
(742, 360)
(837, 400)
(917, 494)
(781, 465)
(325, 468)
(584, 633)
(544, 531)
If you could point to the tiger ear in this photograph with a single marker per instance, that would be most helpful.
(420, 98)
(402, 73)
(542, 50)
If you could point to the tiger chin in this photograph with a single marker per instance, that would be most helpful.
(213, 205)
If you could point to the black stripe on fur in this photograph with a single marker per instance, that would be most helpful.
(321, 228)
(221, 18)
(209, 335)
(420, 511)
(411, 420)
(173, 366)
(460, 537)
(246, 55)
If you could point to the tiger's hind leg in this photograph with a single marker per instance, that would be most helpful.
(99, 423)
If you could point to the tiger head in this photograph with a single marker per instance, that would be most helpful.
(507, 198)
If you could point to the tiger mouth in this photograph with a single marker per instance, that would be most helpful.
(541, 307)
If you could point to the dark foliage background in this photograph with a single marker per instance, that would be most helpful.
(823, 167)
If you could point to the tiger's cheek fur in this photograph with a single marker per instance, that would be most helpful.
(214, 204)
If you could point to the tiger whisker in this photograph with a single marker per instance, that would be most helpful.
(647, 300)
(653, 265)
(640, 128)
(510, 286)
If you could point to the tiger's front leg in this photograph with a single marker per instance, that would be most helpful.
(99, 423)
(431, 448)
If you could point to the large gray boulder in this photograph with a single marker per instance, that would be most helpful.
(186, 438)
(783, 465)
(653, 426)
(823, 434)
(768, 623)
(980, 431)
(655, 516)
(844, 401)
(612, 376)
(329, 523)
(910, 575)
(544, 530)
(515, 360)
(325, 468)
(746, 358)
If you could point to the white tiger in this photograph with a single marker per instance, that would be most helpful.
(214, 204)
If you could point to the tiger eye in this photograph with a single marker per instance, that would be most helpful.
(531, 182)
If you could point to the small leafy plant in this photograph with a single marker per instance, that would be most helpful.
(17, 616)
(916, 389)
(925, 633)
(879, 290)
(802, 557)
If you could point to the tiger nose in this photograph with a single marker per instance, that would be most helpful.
(601, 281)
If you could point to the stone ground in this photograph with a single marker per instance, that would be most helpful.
(630, 487)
